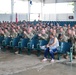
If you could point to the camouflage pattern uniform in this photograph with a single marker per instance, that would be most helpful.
(74, 45)
(30, 35)
(14, 34)
(7, 34)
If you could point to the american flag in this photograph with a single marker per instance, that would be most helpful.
(16, 18)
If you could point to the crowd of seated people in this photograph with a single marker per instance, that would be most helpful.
(64, 33)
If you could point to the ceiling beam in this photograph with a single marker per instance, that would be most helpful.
(52, 1)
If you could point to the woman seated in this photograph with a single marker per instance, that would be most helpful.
(51, 47)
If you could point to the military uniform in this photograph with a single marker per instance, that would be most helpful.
(44, 36)
(65, 29)
(29, 35)
(63, 32)
(19, 31)
(7, 34)
(74, 45)
(63, 38)
(34, 31)
(14, 34)
(24, 35)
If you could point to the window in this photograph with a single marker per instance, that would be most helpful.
(20, 6)
(58, 8)
(5, 6)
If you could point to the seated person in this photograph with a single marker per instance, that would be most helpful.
(51, 47)
(43, 35)
(74, 48)
(62, 38)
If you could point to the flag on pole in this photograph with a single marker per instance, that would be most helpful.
(16, 18)
(30, 2)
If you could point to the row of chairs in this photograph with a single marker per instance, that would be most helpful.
(72, 23)
(34, 44)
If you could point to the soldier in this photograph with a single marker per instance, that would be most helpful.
(65, 27)
(74, 52)
(57, 29)
(49, 31)
(1, 32)
(14, 33)
(43, 35)
(69, 27)
(70, 38)
(74, 44)
(29, 34)
(19, 30)
(7, 33)
(62, 36)
(34, 30)
(69, 35)
(61, 31)
(75, 27)
(24, 34)
(51, 25)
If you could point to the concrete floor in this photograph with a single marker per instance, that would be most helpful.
(15, 64)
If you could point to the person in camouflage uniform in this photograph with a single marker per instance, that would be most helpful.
(1, 32)
(62, 35)
(14, 33)
(29, 34)
(65, 27)
(43, 35)
(74, 43)
(7, 33)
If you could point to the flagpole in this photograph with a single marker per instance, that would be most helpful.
(41, 9)
(12, 9)
(29, 9)
(55, 9)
